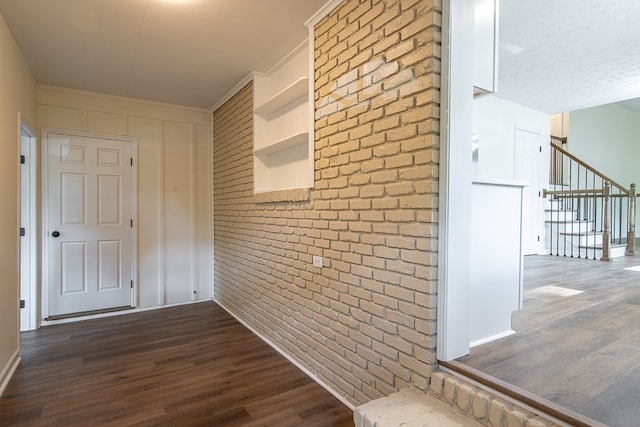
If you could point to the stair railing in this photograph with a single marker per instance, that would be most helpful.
(588, 210)
(557, 162)
(631, 233)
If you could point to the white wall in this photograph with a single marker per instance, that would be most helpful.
(608, 138)
(17, 95)
(173, 232)
(494, 121)
(560, 125)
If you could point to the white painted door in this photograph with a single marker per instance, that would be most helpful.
(89, 230)
(527, 168)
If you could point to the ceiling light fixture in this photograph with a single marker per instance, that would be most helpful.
(178, 1)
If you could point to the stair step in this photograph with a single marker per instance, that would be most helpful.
(616, 250)
(582, 233)
(573, 221)
(574, 226)
(584, 238)
(561, 214)
(599, 247)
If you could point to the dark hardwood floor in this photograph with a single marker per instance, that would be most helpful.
(577, 340)
(192, 365)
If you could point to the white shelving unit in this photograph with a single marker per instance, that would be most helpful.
(283, 145)
(485, 49)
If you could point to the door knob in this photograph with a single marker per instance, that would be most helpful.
(55, 233)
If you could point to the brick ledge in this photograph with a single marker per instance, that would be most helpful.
(409, 407)
(295, 195)
(450, 402)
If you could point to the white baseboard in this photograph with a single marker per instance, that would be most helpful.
(120, 313)
(8, 370)
(491, 338)
(289, 358)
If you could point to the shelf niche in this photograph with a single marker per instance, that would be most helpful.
(283, 145)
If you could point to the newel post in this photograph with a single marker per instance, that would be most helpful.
(631, 232)
(606, 235)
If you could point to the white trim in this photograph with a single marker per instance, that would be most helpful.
(454, 211)
(212, 206)
(160, 178)
(31, 226)
(44, 282)
(18, 183)
(134, 216)
(289, 358)
(443, 190)
(496, 43)
(118, 313)
(311, 96)
(249, 78)
(492, 338)
(237, 88)
(296, 50)
(193, 216)
(120, 98)
(501, 182)
(8, 370)
(322, 12)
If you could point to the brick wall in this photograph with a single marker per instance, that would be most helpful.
(365, 323)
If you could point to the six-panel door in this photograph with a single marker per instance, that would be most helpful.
(89, 231)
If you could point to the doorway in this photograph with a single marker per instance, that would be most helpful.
(528, 162)
(88, 223)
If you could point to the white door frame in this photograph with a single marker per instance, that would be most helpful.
(454, 223)
(29, 284)
(45, 208)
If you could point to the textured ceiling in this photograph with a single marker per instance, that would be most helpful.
(565, 55)
(188, 52)
(554, 55)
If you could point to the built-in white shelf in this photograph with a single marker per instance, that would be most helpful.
(283, 156)
(283, 144)
(485, 46)
(286, 96)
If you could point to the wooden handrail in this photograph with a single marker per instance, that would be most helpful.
(565, 193)
(595, 198)
(576, 194)
(562, 139)
(590, 168)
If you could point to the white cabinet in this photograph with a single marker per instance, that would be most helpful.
(496, 258)
(485, 46)
(283, 143)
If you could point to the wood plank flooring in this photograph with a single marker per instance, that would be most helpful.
(581, 351)
(192, 365)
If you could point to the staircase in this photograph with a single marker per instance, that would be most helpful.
(574, 237)
(588, 214)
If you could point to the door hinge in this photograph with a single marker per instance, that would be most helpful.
(538, 238)
(132, 284)
(23, 159)
(131, 223)
(23, 232)
(132, 161)
(22, 303)
(541, 148)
